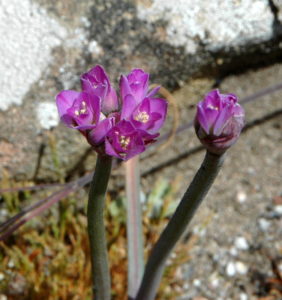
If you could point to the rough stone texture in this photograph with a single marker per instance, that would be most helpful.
(241, 203)
(47, 44)
(216, 24)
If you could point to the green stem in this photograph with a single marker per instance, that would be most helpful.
(135, 248)
(185, 211)
(96, 228)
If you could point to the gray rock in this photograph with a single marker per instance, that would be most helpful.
(45, 45)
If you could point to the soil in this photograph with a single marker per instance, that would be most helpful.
(237, 253)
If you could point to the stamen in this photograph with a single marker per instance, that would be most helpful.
(82, 110)
(212, 107)
(124, 141)
(142, 117)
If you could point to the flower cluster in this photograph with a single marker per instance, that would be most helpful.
(118, 125)
(219, 121)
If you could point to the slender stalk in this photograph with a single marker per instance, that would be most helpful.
(96, 229)
(134, 227)
(177, 225)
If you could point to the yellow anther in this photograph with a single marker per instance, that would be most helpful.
(83, 109)
(142, 117)
(124, 141)
(212, 107)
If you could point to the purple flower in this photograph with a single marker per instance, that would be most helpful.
(139, 106)
(78, 110)
(97, 82)
(149, 115)
(136, 84)
(118, 128)
(125, 141)
(219, 121)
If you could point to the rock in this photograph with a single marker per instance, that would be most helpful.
(278, 209)
(241, 243)
(46, 45)
(241, 197)
(241, 268)
(233, 251)
(230, 269)
(243, 296)
(264, 224)
(197, 282)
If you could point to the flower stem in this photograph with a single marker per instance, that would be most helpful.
(96, 228)
(135, 248)
(185, 211)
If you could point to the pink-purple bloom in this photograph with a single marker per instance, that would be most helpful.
(118, 126)
(219, 121)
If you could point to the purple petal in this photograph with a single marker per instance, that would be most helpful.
(97, 135)
(124, 86)
(148, 113)
(201, 118)
(153, 92)
(85, 110)
(110, 150)
(128, 106)
(64, 101)
(158, 105)
(212, 99)
(224, 115)
(110, 102)
(96, 81)
(124, 141)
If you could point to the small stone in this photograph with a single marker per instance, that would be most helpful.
(233, 251)
(241, 268)
(280, 267)
(197, 282)
(47, 115)
(3, 212)
(230, 269)
(241, 243)
(11, 264)
(278, 209)
(241, 197)
(186, 286)
(263, 224)
(2, 276)
(214, 282)
(3, 297)
(243, 296)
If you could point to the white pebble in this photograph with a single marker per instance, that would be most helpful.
(280, 267)
(278, 209)
(230, 269)
(2, 276)
(243, 296)
(11, 264)
(186, 286)
(241, 268)
(3, 212)
(241, 243)
(3, 297)
(241, 197)
(47, 115)
(233, 251)
(263, 224)
(197, 282)
(215, 282)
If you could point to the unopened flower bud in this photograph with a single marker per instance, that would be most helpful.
(219, 121)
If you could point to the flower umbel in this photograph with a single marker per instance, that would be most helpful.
(121, 127)
(219, 121)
